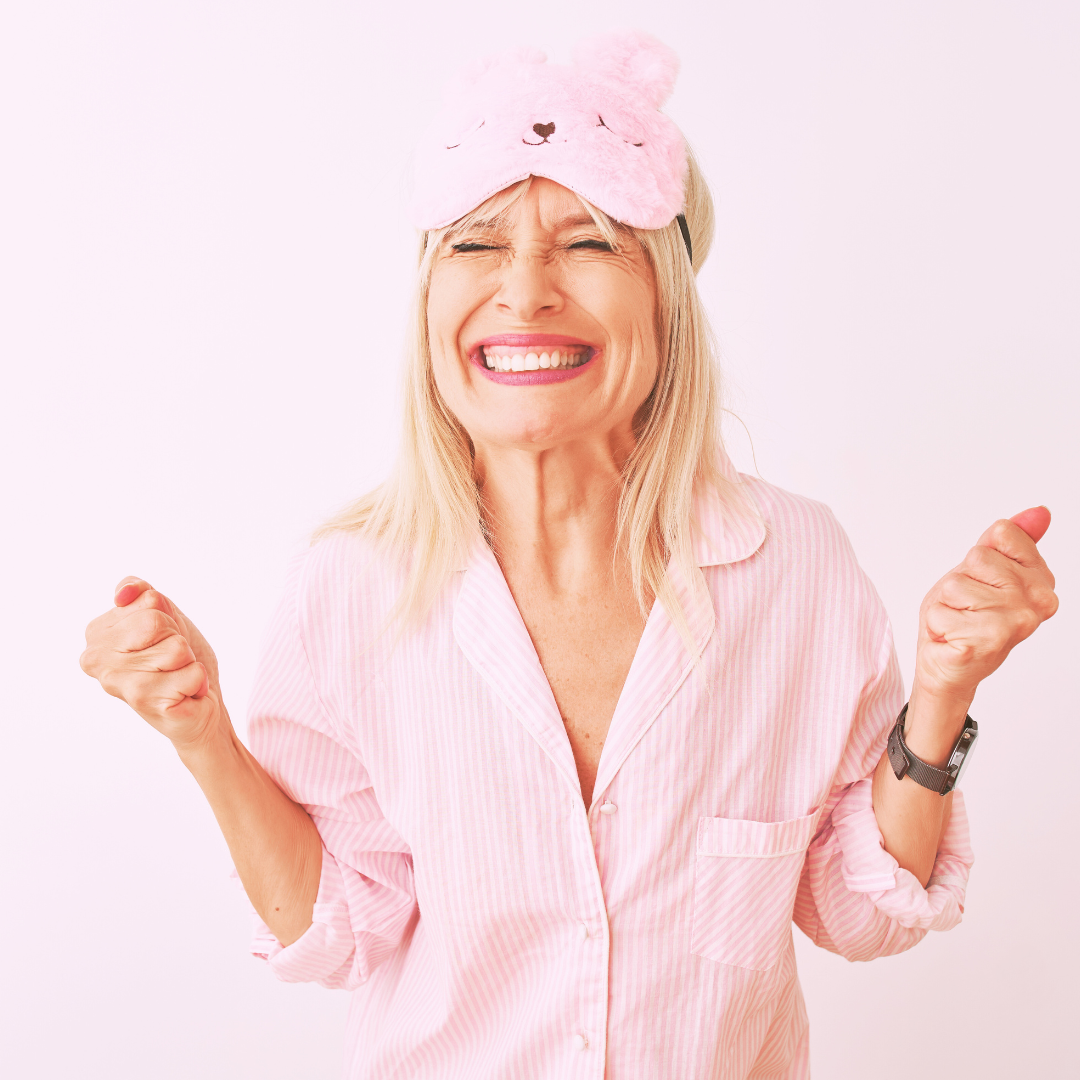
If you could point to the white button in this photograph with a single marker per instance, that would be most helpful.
(580, 1042)
(584, 931)
(608, 808)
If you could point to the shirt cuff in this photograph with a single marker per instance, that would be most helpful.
(328, 944)
(868, 868)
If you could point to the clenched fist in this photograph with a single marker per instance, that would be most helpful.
(147, 653)
(974, 616)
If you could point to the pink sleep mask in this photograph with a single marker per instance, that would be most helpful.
(593, 126)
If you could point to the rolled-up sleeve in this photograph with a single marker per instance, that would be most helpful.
(854, 898)
(366, 900)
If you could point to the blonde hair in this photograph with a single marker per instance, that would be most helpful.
(430, 509)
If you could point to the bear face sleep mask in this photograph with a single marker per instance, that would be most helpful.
(593, 126)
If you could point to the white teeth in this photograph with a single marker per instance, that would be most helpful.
(533, 361)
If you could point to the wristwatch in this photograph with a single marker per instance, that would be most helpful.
(905, 763)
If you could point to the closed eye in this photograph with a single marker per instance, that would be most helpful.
(468, 246)
(590, 245)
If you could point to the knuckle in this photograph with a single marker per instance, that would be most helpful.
(142, 694)
(966, 653)
(1019, 625)
(155, 620)
(143, 629)
(113, 684)
(1042, 599)
(157, 600)
(956, 587)
(136, 638)
(175, 652)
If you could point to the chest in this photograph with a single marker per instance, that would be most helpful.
(499, 718)
(585, 641)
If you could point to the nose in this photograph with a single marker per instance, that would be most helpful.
(544, 130)
(527, 291)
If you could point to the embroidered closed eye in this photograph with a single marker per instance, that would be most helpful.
(472, 131)
(616, 134)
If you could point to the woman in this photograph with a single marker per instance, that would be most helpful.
(557, 731)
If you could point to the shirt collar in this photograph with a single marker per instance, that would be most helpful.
(727, 526)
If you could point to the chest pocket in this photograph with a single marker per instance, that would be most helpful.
(745, 879)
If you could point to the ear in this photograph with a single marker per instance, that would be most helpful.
(469, 75)
(635, 59)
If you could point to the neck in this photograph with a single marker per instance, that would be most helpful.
(552, 513)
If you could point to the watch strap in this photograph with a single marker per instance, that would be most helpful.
(905, 763)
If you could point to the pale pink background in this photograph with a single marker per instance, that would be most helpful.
(204, 268)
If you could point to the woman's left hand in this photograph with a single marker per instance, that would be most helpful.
(969, 622)
(974, 616)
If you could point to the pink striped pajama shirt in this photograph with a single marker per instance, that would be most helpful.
(487, 922)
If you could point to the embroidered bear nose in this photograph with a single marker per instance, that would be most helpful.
(544, 130)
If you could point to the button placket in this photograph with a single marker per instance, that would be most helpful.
(591, 945)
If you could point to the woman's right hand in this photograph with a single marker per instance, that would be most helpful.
(146, 652)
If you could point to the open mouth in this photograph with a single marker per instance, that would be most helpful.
(518, 358)
(532, 359)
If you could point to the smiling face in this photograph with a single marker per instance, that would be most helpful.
(541, 334)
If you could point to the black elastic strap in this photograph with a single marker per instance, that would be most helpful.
(685, 230)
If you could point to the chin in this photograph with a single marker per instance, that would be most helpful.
(525, 436)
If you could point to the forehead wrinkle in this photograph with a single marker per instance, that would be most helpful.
(570, 221)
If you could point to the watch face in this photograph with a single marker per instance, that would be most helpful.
(964, 750)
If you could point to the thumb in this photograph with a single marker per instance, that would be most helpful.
(1034, 522)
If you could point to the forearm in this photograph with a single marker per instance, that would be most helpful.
(274, 844)
(912, 818)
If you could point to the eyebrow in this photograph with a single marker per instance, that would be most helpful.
(482, 224)
(496, 222)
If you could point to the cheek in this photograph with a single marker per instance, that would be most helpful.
(453, 299)
(446, 315)
(632, 310)
(440, 310)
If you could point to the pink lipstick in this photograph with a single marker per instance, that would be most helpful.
(532, 359)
